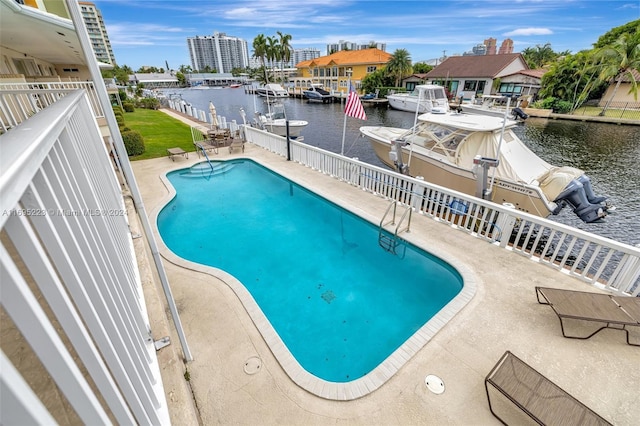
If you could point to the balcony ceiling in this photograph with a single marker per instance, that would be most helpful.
(39, 34)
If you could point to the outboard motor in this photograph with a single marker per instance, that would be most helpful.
(579, 195)
(588, 191)
(395, 155)
(518, 113)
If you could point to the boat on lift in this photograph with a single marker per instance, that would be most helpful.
(317, 93)
(272, 90)
(275, 121)
(482, 156)
(424, 98)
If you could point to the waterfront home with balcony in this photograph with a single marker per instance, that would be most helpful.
(331, 71)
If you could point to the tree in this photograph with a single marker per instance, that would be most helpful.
(185, 69)
(539, 56)
(422, 68)
(273, 50)
(182, 80)
(612, 35)
(399, 66)
(572, 79)
(618, 60)
(285, 50)
(260, 52)
(375, 80)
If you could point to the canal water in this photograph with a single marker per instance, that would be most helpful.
(608, 153)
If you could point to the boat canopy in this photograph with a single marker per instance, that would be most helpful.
(463, 137)
(517, 162)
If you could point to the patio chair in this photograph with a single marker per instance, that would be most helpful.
(616, 312)
(236, 143)
(515, 382)
(207, 145)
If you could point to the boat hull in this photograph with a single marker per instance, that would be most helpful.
(315, 96)
(407, 103)
(439, 172)
(279, 127)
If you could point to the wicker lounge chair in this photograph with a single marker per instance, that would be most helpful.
(513, 381)
(616, 312)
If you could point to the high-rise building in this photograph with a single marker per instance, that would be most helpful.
(219, 52)
(506, 47)
(491, 44)
(299, 55)
(97, 33)
(347, 45)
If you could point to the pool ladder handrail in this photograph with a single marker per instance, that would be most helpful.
(204, 152)
(387, 242)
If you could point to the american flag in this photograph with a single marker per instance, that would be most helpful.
(354, 108)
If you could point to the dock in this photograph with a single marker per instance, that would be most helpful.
(296, 92)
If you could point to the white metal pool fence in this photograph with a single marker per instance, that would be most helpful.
(599, 261)
(72, 303)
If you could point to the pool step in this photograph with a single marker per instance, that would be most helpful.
(205, 170)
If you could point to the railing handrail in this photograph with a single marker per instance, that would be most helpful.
(625, 277)
(67, 234)
(19, 101)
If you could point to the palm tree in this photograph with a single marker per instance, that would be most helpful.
(260, 52)
(399, 66)
(618, 60)
(539, 56)
(285, 50)
(273, 50)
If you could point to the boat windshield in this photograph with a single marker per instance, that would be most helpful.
(442, 139)
(277, 112)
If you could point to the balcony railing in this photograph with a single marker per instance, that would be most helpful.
(19, 101)
(70, 282)
(599, 261)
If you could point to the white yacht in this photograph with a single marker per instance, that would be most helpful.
(424, 98)
(481, 155)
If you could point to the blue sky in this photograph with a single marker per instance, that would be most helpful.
(150, 32)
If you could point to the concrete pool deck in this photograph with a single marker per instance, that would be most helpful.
(236, 379)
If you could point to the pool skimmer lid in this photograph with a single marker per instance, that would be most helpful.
(252, 365)
(434, 384)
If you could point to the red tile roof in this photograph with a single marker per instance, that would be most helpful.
(349, 57)
(475, 66)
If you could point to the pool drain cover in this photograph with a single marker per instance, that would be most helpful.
(434, 384)
(252, 365)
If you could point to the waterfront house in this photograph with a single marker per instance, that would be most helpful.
(331, 70)
(624, 97)
(470, 77)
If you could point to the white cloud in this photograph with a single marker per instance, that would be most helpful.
(529, 31)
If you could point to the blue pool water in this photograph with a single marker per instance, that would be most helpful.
(340, 303)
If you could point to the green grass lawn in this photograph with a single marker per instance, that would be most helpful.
(159, 131)
(633, 114)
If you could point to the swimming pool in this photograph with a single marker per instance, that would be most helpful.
(340, 303)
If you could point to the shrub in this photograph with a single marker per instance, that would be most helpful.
(117, 109)
(120, 120)
(558, 106)
(128, 107)
(133, 142)
(562, 107)
(149, 103)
